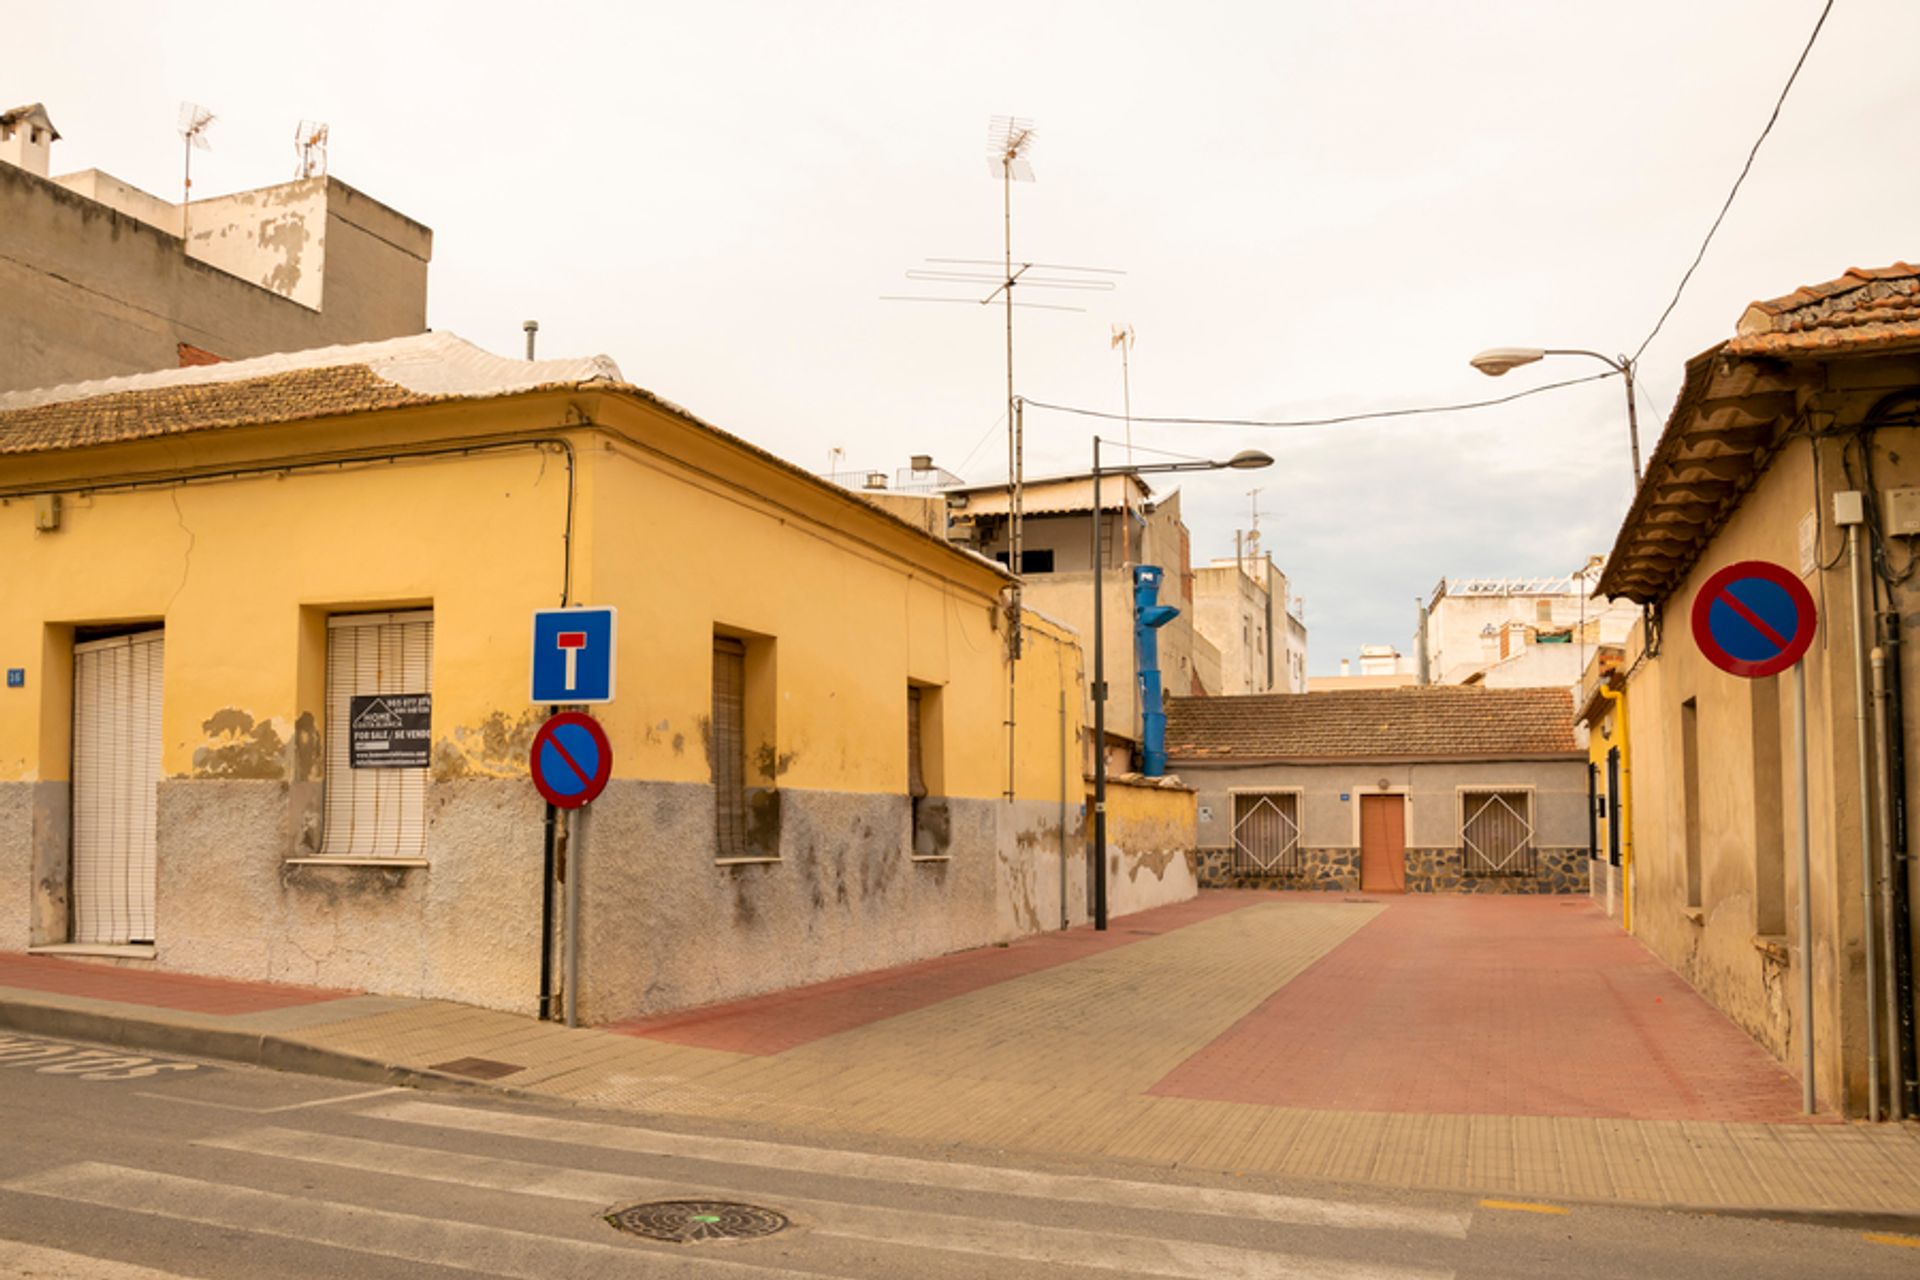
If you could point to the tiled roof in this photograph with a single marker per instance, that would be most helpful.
(1421, 722)
(288, 387)
(1863, 309)
(1733, 410)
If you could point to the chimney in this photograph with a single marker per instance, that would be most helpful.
(27, 137)
(1346, 668)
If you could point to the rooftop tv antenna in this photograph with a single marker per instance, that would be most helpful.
(195, 120)
(310, 144)
(1009, 158)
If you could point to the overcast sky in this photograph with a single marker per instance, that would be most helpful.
(1318, 207)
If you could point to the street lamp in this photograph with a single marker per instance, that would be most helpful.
(1245, 460)
(1497, 361)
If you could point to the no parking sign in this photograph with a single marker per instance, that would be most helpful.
(1754, 619)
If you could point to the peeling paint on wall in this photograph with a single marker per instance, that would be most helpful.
(497, 747)
(239, 747)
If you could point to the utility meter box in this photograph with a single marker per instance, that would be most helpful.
(1902, 508)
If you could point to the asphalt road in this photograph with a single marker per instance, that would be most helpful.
(133, 1167)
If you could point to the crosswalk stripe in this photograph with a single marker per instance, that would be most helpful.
(19, 1259)
(519, 1254)
(1059, 1246)
(1156, 1197)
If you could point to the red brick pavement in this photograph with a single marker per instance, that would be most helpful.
(1492, 1006)
(784, 1020)
(184, 992)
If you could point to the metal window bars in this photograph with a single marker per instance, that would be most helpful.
(1266, 834)
(1496, 834)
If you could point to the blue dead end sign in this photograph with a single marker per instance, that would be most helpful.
(571, 759)
(1754, 619)
(573, 651)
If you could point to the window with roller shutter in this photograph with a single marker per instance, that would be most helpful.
(374, 812)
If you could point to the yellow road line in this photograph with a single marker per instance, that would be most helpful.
(1522, 1206)
(1898, 1242)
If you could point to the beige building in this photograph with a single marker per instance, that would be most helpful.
(99, 278)
(1518, 632)
(1057, 569)
(1434, 789)
(1813, 399)
(1244, 608)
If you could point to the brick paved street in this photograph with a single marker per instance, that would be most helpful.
(1523, 1006)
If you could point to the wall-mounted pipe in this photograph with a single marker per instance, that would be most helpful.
(1148, 618)
(1861, 755)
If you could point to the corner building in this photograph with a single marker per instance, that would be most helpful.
(210, 573)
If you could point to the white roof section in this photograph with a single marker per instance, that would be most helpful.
(431, 364)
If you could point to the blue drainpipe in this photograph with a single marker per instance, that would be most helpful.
(1148, 618)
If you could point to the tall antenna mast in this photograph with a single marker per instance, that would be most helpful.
(310, 144)
(1009, 139)
(194, 122)
(1123, 339)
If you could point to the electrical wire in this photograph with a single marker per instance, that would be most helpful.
(1744, 170)
(1370, 416)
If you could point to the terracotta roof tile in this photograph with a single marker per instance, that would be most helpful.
(165, 411)
(1416, 722)
(1864, 309)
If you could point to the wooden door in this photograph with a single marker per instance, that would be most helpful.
(1383, 844)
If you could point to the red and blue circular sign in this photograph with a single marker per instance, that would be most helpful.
(1754, 619)
(571, 759)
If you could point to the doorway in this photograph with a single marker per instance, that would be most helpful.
(1383, 844)
(116, 773)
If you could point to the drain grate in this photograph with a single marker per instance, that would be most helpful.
(477, 1068)
(692, 1221)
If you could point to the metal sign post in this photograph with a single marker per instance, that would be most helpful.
(570, 763)
(1756, 619)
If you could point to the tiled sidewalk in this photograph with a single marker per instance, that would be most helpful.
(1061, 1060)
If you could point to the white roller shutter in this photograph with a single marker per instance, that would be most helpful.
(374, 813)
(116, 772)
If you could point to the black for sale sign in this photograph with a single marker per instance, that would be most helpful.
(390, 731)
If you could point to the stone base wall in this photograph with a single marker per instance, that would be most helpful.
(1333, 870)
(1441, 871)
(1428, 871)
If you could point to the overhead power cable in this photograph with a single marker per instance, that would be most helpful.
(1370, 416)
(1744, 170)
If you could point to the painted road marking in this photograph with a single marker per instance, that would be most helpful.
(1523, 1206)
(54, 1058)
(404, 1236)
(942, 1232)
(1898, 1242)
(1081, 1189)
(272, 1111)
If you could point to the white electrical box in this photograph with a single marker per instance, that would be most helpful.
(1901, 510)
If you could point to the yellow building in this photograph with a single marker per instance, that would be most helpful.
(205, 568)
(1788, 440)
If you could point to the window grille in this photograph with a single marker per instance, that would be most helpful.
(1496, 834)
(730, 746)
(116, 773)
(1266, 833)
(374, 813)
(916, 773)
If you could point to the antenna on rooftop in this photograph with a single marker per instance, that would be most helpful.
(195, 120)
(310, 144)
(1009, 158)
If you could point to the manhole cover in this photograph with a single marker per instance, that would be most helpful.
(477, 1068)
(692, 1221)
